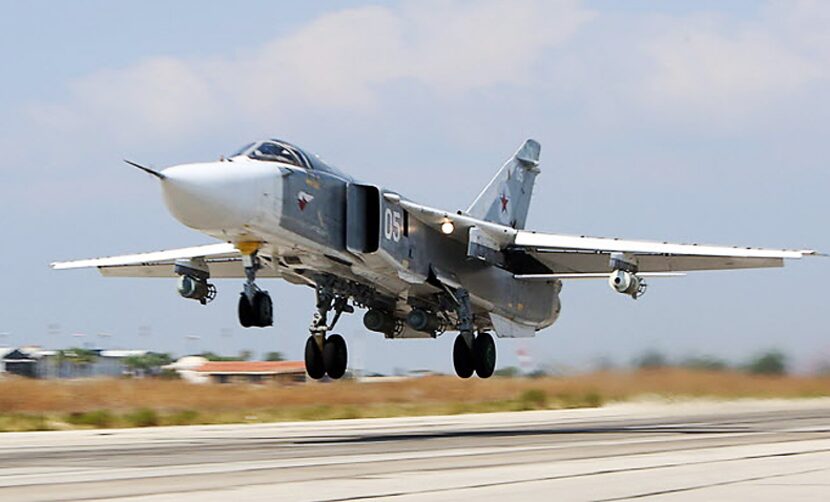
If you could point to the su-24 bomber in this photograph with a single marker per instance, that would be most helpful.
(418, 271)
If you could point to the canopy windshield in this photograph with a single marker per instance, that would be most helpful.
(272, 151)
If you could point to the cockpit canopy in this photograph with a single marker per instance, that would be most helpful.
(274, 151)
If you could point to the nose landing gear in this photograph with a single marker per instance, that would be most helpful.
(255, 306)
(256, 312)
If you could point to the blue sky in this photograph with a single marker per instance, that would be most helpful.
(690, 122)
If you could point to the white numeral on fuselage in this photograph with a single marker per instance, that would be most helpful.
(392, 225)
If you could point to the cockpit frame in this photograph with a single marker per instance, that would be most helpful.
(275, 150)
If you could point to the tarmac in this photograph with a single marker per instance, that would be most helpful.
(758, 450)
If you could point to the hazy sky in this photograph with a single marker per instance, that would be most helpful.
(689, 122)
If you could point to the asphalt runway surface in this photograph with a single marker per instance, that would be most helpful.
(759, 450)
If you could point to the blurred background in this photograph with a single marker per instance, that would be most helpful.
(695, 122)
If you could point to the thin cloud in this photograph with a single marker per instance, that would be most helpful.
(341, 60)
(712, 69)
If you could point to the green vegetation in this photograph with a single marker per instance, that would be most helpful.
(212, 356)
(769, 363)
(23, 422)
(244, 355)
(772, 362)
(76, 357)
(149, 363)
(184, 417)
(651, 360)
(533, 399)
(705, 363)
(508, 372)
(100, 419)
(274, 356)
(29, 404)
(143, 417)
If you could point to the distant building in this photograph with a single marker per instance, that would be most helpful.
(35, 362)
(3, 352)
(21, 362)
(282, 372)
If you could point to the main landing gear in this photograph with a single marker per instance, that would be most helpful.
(326, 354)
(255, 306)
(474, 354)
(471, 353)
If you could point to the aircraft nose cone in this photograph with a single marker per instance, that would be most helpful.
(210, 196)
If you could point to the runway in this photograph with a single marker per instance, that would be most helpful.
(763, 450)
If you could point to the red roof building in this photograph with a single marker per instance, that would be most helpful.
(254, 371)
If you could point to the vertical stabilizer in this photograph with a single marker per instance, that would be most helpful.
(506, 198)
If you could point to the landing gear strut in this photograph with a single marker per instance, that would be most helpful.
(327, 354)
(255, 306)
(471, 353)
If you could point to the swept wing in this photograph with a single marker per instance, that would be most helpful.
(558, 256)
(224, 259)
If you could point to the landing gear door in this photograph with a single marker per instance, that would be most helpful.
(362, 218)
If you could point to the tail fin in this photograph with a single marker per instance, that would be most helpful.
(506, 198)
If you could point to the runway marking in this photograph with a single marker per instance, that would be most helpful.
(710, 485)
(79, 475)
(55, 477)
(601, 473)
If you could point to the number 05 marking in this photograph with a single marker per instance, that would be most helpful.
(392, 225)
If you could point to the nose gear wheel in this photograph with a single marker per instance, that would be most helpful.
(257, 313)
(255, 306)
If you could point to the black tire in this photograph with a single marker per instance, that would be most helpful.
(484, 355)
(263, 310)
(335, 356)
(246, 313)
(462, 358)
(314, 360)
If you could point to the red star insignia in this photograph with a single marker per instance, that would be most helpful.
(504, 200)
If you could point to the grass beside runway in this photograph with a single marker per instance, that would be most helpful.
(58, 405)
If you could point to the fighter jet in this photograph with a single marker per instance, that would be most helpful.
(418, 271)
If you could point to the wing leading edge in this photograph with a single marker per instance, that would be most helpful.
(224, 260)
(570, 256)
(578, 254)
